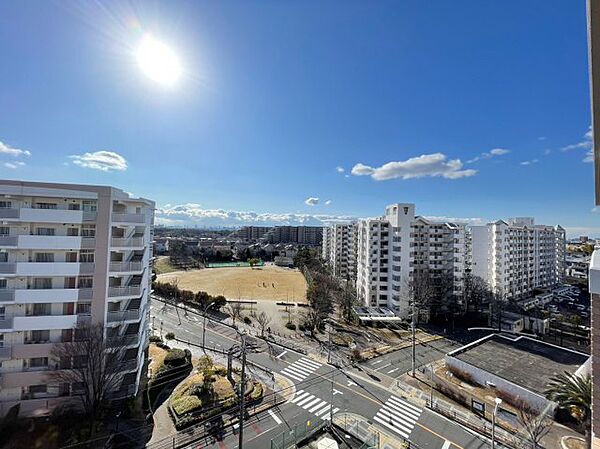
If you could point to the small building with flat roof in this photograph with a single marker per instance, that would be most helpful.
(518, 368)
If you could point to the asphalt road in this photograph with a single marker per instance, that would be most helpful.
(397, 363)
(319, 389)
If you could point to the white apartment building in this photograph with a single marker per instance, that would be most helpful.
(393, 248)
(516, 256)
(69, 255)
(339, 246)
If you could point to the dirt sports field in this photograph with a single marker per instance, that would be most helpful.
(268, 282)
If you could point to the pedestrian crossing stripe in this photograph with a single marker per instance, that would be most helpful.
(313, 405)
(398, 415)
(301, 369)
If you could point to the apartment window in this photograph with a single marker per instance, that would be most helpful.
(2, 312)
(86, 256)
(38, 337)
(42, 283)
(66, 335)
(3, 284)
(84, 308)
(1, 340)
(4, 230)
(68, 308)
(90, 206)
(5, 204)
(3, 256)
(44, 257)
(88, 231)
(38, 309)
(45, 231)
(72, 232)
(46, 206)
(71, 256)
(79, 361)
(74, 206)
(86, 282)
(35, 389)
(38, 362)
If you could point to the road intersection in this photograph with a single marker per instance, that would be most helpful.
(319, 389)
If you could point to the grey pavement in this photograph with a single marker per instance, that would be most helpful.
(319, 389)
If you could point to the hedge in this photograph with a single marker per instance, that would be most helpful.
(175, 357)
(186, 404)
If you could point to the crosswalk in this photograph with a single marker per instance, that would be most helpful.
(301, 369)
(398, 416)
(312, 404)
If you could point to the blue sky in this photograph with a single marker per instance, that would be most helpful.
(438, 103)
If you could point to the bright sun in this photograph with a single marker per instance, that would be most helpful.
(158, 61)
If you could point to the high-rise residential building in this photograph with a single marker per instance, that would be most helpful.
(339, 246)
(302, 235)
(395, 248)
(252, 232)
(71, 255)
(517, 256)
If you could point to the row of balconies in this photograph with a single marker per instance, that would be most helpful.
(58, 215)
(32, 241)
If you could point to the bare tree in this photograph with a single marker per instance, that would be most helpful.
(263, 321)
(346, 300)
(90, 365)
(234, 309)
(535, 426)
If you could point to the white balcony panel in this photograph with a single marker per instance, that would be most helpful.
(54, 242)
(53, 215)
(53, 269)
(26, 296)
(23, 323)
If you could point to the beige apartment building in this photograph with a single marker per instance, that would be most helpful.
(69, 255)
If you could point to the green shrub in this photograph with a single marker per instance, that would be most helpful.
(186, 404)
(290, 326)
(257, 392)
(187, 421)
(155, 339)
(170, 336)
(175, 357)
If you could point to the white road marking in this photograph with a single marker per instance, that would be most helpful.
(376, 362)
(276, 418)
(281, 355)
(399, 416)
(446, 445)
(318, 406)
(350, 383)
(336, 392)
(305, 400)
(384, 366)
(393, 371)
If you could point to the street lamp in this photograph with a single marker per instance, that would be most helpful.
(497, 401)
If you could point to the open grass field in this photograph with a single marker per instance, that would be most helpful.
(269, 282)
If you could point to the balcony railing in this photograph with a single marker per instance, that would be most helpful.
(7, 295)
(5, 352)
(128, 218)
(117, 267)
(123, 315)
(132, 290)
(6, 323)
(6, 240)
(15, 213)
(12, 267)
(118, 242)
(124, 340)
(128, 365)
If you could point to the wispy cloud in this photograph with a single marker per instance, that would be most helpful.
(14, 165)
(328, 202)
(541, 138)
(531, 162)
(340, 169)
(101, 160)
(15, 152)
(426, 165)
(489, 154)
(311, 201)
(193, 214)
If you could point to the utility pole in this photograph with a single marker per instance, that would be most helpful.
(332, 378)
(242, 393)
(413, 331)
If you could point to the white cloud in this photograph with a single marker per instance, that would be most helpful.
(193, 214)
(426, 165)
(589, 156)
(340, 169)
(585, 144)
(542, 138)
(15, 152)
(14, 165)
(101, 160)
(547, 151)
(489, 154)
(532, 161)
(469, 221)
(311, 201)
(328, 202)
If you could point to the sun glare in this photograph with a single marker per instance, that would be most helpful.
(158, 61)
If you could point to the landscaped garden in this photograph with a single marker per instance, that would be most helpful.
(208, 392)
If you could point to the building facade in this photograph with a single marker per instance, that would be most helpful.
(517, 256)
(340, 244)
(394, 249)
(71, 256)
